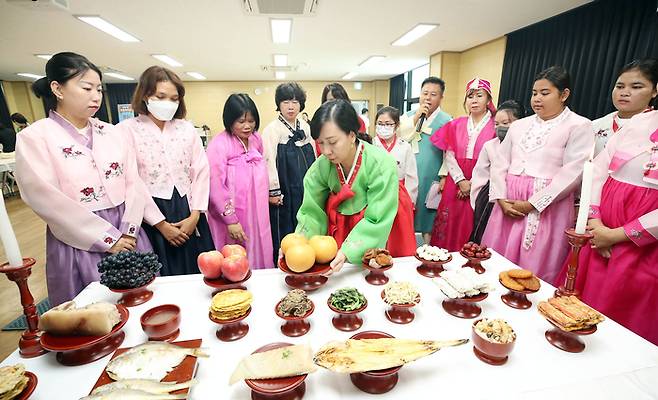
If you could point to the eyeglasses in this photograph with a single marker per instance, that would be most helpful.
(383, 124)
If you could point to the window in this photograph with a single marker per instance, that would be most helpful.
(412, 81)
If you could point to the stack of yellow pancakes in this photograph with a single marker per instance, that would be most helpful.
(12, 381)
(230, 304)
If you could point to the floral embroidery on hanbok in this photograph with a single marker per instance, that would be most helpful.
(70, 152)
(115, 169)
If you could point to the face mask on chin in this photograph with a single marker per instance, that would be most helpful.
(163, 110)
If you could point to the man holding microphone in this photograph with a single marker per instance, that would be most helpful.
(416, 127)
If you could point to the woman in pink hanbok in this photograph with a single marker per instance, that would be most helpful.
(462, 140)
(239, 206)
(173, 165)
(618, 273)
(79, 175)
(534, 178)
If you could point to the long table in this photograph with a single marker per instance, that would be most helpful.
(616, 363)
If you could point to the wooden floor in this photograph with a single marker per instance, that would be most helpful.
(31, 233)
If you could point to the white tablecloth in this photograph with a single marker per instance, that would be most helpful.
(616, 364)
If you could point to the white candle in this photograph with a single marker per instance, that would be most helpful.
(8, 238)
(585, 197)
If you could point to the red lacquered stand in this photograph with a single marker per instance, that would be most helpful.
(28, 345)
(577, 241)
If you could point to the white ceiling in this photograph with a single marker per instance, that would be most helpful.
(217, 39)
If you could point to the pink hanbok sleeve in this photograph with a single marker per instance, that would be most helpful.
(500, 163)
(578, 148)
(67, 219)
(200, 176)
(481, 173)
(444, 139)
(221, 202)
(135, 201)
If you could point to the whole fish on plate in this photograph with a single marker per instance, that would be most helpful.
(144, 385)
(130, 394)
(151, 360)
(374, 354)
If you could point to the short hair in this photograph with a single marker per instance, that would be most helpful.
(18, 118)
(290, 91)
(61, 68)
(147, 85)
(513, 107)
(337, 91)
(392, 111)
(435, 81)
(342, 114)
(558, 77)
(237, 105)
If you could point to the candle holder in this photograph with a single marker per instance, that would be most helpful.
(577, 241)
(28, 345)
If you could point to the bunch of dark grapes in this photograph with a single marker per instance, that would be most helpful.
(127, 270)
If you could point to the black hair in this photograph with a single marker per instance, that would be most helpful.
(61, 68)
(392, 111)
(337, 91)
(237, 105)
(513, 107)
(648, 67)
(18, 118)
(342, 114)
(290, 91)
(436, 81)
(558, 77)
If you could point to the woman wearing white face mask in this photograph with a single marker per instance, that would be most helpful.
(174, 167)
(387, 123)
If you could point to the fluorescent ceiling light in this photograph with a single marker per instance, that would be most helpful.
(44, 56)
(349, 75)
(280, 75)
(28, 75)
(281, 30)
(99, 23)
(370, 61)
(196, 75)
(414, 34)
(280, 60)
(119, 76)
(167, 60)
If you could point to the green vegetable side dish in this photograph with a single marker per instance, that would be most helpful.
(347, 299)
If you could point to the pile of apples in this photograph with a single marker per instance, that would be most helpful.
(302, 254)
(231, 263)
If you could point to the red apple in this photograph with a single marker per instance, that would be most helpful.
(235, 267)
(210, 264)
(233, 249)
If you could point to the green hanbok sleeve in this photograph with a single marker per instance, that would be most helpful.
(312, 217)
(382, 206)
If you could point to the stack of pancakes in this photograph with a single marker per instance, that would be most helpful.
(12, 381)
(230, 304)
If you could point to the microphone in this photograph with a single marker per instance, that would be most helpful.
(421, 120)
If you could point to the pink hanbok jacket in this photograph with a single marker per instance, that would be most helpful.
(553, 150)
(635, 146)
(65, 176)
